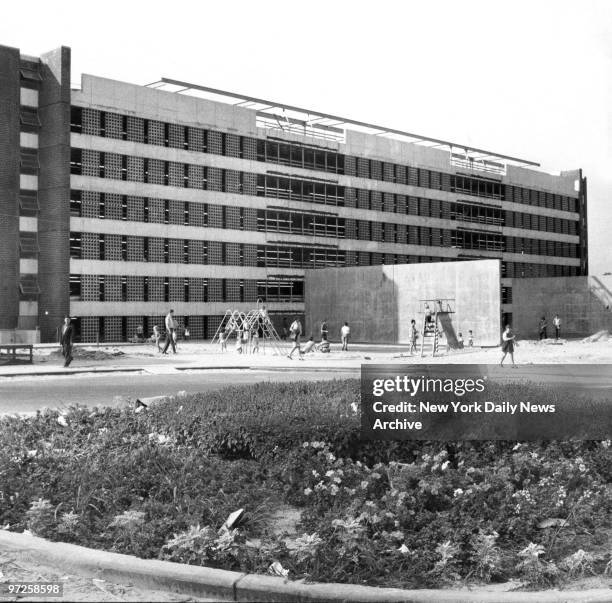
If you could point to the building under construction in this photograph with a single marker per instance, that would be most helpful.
(119, 201)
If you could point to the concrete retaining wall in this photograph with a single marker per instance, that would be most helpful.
(378, 302)
(584, 304)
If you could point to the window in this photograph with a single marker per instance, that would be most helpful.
(76, 161)
(75, 203)
(75, 287)
(75, 245)
(28, 203)
(102, 131)
(28, 244)
(102, 246)
(102, 206)
(76, 119)
(28, 117)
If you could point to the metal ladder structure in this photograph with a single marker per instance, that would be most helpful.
(258, 319)
(430, 334)
(232, 321)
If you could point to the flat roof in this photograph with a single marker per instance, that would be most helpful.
(299, 120)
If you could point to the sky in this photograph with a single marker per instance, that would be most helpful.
(529, 79)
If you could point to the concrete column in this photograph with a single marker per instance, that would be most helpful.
(54, 192)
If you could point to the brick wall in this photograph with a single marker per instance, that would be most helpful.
(9, 187)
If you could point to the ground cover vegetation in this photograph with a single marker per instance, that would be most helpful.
(160, 484)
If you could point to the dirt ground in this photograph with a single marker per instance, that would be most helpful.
(596, 349)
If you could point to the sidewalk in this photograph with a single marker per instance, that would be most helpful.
(201, 356)
(191, 356)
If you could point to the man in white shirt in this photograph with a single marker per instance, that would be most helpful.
(295, 332)
(345, 332)
(557, 325)
(170, 332)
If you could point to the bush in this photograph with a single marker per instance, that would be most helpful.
(161, 484)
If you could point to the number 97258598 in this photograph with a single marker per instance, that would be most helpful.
(46, 589)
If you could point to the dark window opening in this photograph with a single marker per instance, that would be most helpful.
(75, 287)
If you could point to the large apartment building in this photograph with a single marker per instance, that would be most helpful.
(119, 201)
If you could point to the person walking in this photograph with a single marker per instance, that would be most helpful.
(557, 325)
(345, 333)
(295, 332)
(543, 328)
(65, 340)
(324, 330)
(170, 333)
(508, 343)
(414, 334)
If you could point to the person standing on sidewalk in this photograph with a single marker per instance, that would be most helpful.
(170, 332)
(542, 328)
(345, 333)
(65, 340)
(557, 325)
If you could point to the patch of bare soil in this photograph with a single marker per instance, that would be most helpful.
(17, 566)
(87, 354)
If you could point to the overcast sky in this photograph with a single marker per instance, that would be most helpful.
(531, 79)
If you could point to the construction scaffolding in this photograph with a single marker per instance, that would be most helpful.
(437, 322)
(257, 321)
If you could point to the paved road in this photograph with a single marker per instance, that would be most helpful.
(27, 394)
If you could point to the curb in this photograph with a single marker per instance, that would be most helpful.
(76, 371)
(235, 586)
(141, 369)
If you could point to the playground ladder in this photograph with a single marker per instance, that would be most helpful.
(239, 321)
(431, 336)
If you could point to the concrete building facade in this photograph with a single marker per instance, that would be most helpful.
(121, 201)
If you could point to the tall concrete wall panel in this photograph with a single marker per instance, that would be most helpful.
(378, 302)
(584, 304)
(9, 187)
(54, 191)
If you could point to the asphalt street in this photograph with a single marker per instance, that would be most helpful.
(29, 393)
